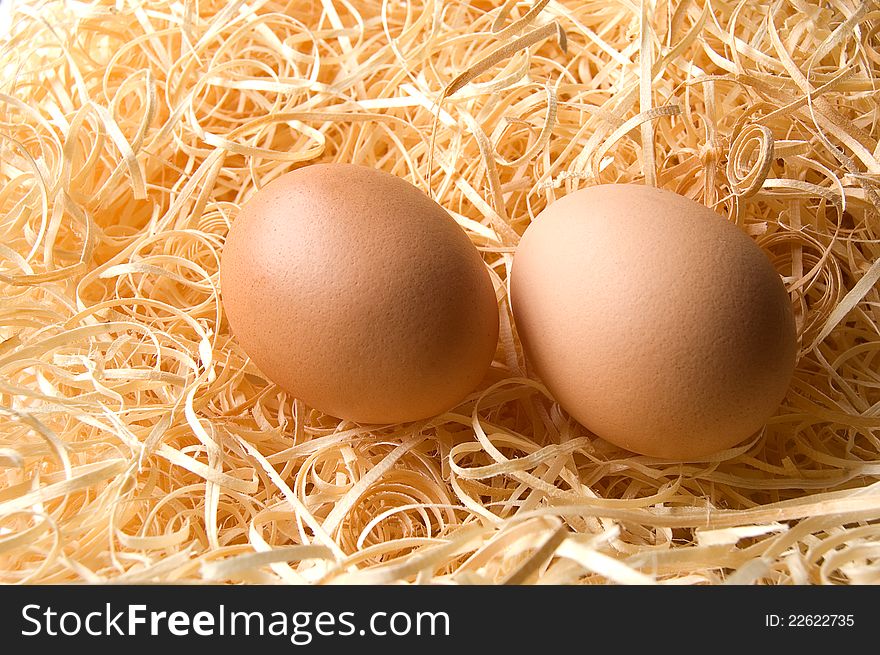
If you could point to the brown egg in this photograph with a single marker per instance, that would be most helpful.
(652, 320)
(358, 294)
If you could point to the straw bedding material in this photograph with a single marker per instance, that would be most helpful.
(139, 444)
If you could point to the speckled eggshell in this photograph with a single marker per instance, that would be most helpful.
(655, 322)
(357, 293)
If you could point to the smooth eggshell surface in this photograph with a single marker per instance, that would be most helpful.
(652, 320)
(358, 294)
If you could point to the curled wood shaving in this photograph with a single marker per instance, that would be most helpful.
(138, 443)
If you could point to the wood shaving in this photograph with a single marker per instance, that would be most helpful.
(138, 443)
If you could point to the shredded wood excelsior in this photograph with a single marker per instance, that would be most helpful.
(139, 444)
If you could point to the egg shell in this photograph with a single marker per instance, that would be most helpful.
(357, 293)
(652, 320)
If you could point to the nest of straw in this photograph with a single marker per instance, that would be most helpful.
(139, 444)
